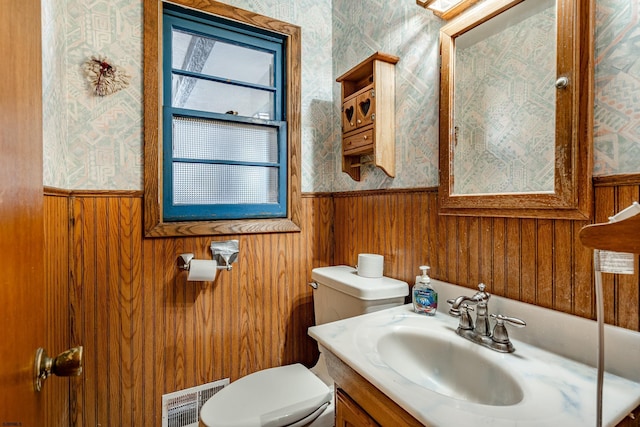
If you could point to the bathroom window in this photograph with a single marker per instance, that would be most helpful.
(223, 160)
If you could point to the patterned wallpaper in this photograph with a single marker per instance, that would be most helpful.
(617, 93)
(401, 28)
(54, 89)
(96, 143)
(505, 106)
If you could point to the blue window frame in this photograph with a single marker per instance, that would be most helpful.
(224, 119)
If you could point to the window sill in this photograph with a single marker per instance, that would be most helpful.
(200, 228)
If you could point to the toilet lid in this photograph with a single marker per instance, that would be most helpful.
(271, 397)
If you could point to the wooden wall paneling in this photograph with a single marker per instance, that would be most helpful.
(109, 234)
(98, 310)
(171, 336)
(528, 261)
(56, 267)
(301, 261)
(408, 252)
(563, 273)
(583, 279)
(390, 230)
(351, 233)
(441, 237)
(486, 252)
(126, 309)
(431, 233)
(513, 245)
(544, 284)
(462, 250)
(154, 330)
(147, 331)
(475, 253)
(534, 260)
(374, 232)
(627, 297)
(267, 299)
(498, 285)
(137, 315)
(605, 207)
(83, 268)
(451, 255)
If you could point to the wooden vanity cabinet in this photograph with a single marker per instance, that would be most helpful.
(368, 115)
(350, 414)
(359, 403)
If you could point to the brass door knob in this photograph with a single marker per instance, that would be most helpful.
(66, 364)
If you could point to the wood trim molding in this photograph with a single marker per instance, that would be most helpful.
(616, 180)
(154, 225)
(378, 192)
(54, 191)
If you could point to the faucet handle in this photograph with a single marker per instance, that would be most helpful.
(500, 334)
(455, 312)
(465, 318)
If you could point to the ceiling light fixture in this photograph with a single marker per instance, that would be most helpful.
(446, 9)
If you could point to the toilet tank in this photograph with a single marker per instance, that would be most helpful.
(341, 293)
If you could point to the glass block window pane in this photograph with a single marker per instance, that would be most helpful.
(214, 57)
(215, 97)
(203, 139)
(211, 184)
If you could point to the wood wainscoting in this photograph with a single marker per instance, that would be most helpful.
(146, 331)
(538, 261)
(57, 310)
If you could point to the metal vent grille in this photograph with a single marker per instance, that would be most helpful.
(182, 408)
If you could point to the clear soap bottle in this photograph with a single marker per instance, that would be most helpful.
(425, 298)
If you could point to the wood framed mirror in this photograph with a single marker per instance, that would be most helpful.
(516, 110)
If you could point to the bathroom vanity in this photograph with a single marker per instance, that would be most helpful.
(395, 367)
(359, 403)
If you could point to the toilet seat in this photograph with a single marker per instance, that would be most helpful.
(284, 396)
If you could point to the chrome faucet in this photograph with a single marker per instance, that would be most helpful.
(481, 332)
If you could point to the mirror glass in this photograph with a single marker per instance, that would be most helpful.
(504, 103)
(516, 107)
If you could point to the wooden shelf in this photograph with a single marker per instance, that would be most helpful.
(368, 114)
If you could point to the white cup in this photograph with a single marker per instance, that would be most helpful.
(370, 265)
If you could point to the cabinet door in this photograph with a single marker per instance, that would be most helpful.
(365, 108)
(349, 115)
(349, 414)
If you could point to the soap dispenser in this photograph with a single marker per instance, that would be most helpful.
(425, 298)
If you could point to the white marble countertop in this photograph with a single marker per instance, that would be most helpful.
(551, 365)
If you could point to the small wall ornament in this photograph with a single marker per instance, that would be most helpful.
(104, 77)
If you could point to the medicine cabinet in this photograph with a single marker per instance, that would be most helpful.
(516, 110)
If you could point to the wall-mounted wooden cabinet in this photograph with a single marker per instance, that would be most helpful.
(368, 115)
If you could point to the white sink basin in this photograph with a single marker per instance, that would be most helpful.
(445, 380)
(444, 365)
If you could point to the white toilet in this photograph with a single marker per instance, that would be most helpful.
(293, 395)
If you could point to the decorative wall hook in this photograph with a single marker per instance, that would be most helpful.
(104, 77)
